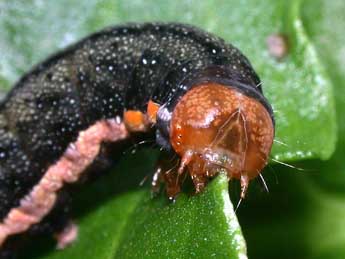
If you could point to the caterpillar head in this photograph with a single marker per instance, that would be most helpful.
(215, 127)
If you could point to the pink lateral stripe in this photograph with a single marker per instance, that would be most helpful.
(78, 156)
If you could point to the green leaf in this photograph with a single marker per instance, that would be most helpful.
(203, 226)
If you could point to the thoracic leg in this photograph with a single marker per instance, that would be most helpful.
(166, 172)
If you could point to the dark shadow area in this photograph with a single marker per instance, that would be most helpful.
(274, 224)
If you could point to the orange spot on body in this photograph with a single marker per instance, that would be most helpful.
(135, 120)
(152, 109)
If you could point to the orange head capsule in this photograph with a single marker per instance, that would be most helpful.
(216, 127)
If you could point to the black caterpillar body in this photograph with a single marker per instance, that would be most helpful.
(104, 74)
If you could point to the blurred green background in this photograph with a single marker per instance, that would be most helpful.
(301, 217)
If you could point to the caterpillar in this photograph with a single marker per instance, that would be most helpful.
(197, 95)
